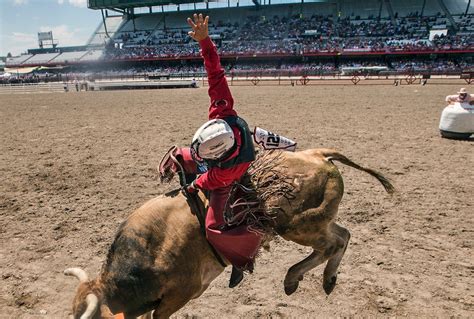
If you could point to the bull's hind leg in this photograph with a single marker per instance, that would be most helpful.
(314, 227)
(296, 272)
(330, 272)
(329, 246)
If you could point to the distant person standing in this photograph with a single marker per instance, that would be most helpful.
(462, 97)
(84, 85)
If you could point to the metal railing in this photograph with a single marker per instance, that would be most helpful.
(22, 88)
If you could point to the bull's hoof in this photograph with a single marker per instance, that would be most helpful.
(291, 288)
(328, 285)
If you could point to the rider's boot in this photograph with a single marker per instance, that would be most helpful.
(235, 277)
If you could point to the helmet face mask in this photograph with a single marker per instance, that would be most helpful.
(195, 152)
(212, 141)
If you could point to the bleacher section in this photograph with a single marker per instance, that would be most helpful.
(294, 35)
(41, 58)
(92, 56)
(18, 59)
(68, 57)
(466, 24)
(52, 59)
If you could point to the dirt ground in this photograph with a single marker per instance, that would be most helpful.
(74, 165)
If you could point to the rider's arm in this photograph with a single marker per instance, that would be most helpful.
(219, 177)
(222, 102)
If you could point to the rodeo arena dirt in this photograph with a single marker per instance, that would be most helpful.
(81, 145)
(75, 165)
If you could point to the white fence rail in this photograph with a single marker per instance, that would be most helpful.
(53, 87)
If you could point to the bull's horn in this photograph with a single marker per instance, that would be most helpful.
(78, 273)
(92, 306)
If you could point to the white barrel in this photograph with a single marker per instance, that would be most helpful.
(457, 118)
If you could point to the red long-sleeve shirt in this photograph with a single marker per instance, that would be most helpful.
(222, 105)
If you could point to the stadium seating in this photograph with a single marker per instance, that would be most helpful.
(92, 56)
(68, 57)
(277, 35)
(18, 60)
(41, 58)
(312, 30)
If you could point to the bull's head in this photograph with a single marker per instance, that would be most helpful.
(86, 302)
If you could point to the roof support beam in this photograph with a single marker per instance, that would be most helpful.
(423, 8)
(448, 14)
(105, 24)
(122, 12)
(380, 10)
(338, 8)
(388, 4)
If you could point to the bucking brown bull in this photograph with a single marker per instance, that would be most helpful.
(160, 260)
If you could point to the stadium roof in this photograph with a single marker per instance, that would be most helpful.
(126, 4)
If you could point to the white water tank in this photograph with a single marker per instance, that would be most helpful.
(457, 121)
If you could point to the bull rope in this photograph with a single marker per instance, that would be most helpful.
(253, 202)
(197, 209)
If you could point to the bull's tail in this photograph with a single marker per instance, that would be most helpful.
(333, 155)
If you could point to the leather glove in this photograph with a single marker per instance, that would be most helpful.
(191, 188)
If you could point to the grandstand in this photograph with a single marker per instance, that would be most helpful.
(319, 37)
(41, 59)
(69, 57)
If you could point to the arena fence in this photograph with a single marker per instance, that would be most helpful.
(175, 81)
(304, 80)
(49, 87)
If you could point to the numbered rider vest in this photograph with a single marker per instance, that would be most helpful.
(247, 150)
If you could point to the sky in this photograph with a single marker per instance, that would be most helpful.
(71, 21)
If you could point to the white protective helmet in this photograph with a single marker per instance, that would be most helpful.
(213, 140)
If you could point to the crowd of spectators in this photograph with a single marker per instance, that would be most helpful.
(436, 66)
(43, 77)
(329, 67)
(296, 36)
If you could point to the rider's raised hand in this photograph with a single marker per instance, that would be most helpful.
(200, 27)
